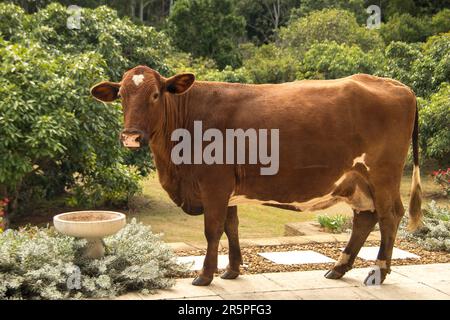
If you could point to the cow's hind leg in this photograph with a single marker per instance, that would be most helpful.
(363, 224)
(389, 223)
(234, 250)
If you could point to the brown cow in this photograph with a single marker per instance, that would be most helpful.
(339, 140)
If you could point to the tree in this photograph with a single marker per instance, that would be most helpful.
(357, 7)
(208, 28)
(441, 21)
(265, 17)
(270, 64)
(327, 25)
(401, 57)
(330, 60)
(433, 68)
(434, 120)
(406, 28)
(55, 137)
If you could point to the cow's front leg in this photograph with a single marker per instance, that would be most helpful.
(215, 215)
(234, 250)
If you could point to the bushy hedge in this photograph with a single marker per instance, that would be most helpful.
(55, 137)
(40, 263)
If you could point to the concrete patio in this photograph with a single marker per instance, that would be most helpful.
(430, 281)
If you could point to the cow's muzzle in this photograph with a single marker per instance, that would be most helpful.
(133, 138)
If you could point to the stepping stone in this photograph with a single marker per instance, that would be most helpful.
(198, 261)
(296, 257)
(370, 254)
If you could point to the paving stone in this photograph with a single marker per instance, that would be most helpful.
(426, 273)
(370, 254)
(402, 283)
(198, 261)
(334, 294)
(296, 257)
(442, 286)
(182, 289)
(217, 297)
(271, 295)
(180, 246)
(244, 284)
(304, 280)
(410, 291)
(321, 238)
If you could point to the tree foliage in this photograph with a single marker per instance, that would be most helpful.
(330, 60)
(55, 137)
(327, 25)
(435, 125)
(208, 28)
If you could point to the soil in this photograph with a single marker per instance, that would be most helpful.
(254, 263)
(89, 216)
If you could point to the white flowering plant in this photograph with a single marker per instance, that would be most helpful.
(40, 263)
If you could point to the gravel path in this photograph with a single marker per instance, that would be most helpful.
(254, 263)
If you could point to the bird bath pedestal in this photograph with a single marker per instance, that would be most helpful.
(91, 225)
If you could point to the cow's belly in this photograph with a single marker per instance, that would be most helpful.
(352, 187)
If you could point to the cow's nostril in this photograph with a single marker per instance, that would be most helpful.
(131, 140)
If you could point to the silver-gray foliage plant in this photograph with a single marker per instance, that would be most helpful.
(435, 233)
(36, 263)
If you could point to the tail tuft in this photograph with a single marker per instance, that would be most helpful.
(415, 201)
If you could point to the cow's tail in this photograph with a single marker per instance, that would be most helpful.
(415, 201)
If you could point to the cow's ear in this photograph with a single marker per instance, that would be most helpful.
(180, 83)
(106, 91)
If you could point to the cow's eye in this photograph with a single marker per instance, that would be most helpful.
(155, 96)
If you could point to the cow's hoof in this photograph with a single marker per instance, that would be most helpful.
(202, 281)
(375, 277)
(230, 274)
(333, 274)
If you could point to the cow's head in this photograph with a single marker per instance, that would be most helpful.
(142, 91)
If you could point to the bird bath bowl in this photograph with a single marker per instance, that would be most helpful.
(91, 225)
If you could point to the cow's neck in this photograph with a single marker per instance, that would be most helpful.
(172, 115)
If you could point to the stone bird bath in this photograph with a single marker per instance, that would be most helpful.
(91, 225)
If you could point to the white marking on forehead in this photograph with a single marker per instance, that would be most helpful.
(361, 159)
(137, 79)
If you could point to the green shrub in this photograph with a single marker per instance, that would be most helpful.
(434, 235)
(434, 120)
(357, 7)
(328, 25)
(404, 27)
(441, 21)
(11, 21)
(433, 67)
(330, 60)
(442, 178)
(207, 28)
(401, 57)
(39, 263)
(335, 224)
(55, 137)
(270, 64)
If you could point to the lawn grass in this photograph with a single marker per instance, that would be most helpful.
(155, 208)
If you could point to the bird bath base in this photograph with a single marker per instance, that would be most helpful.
(91, 225)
